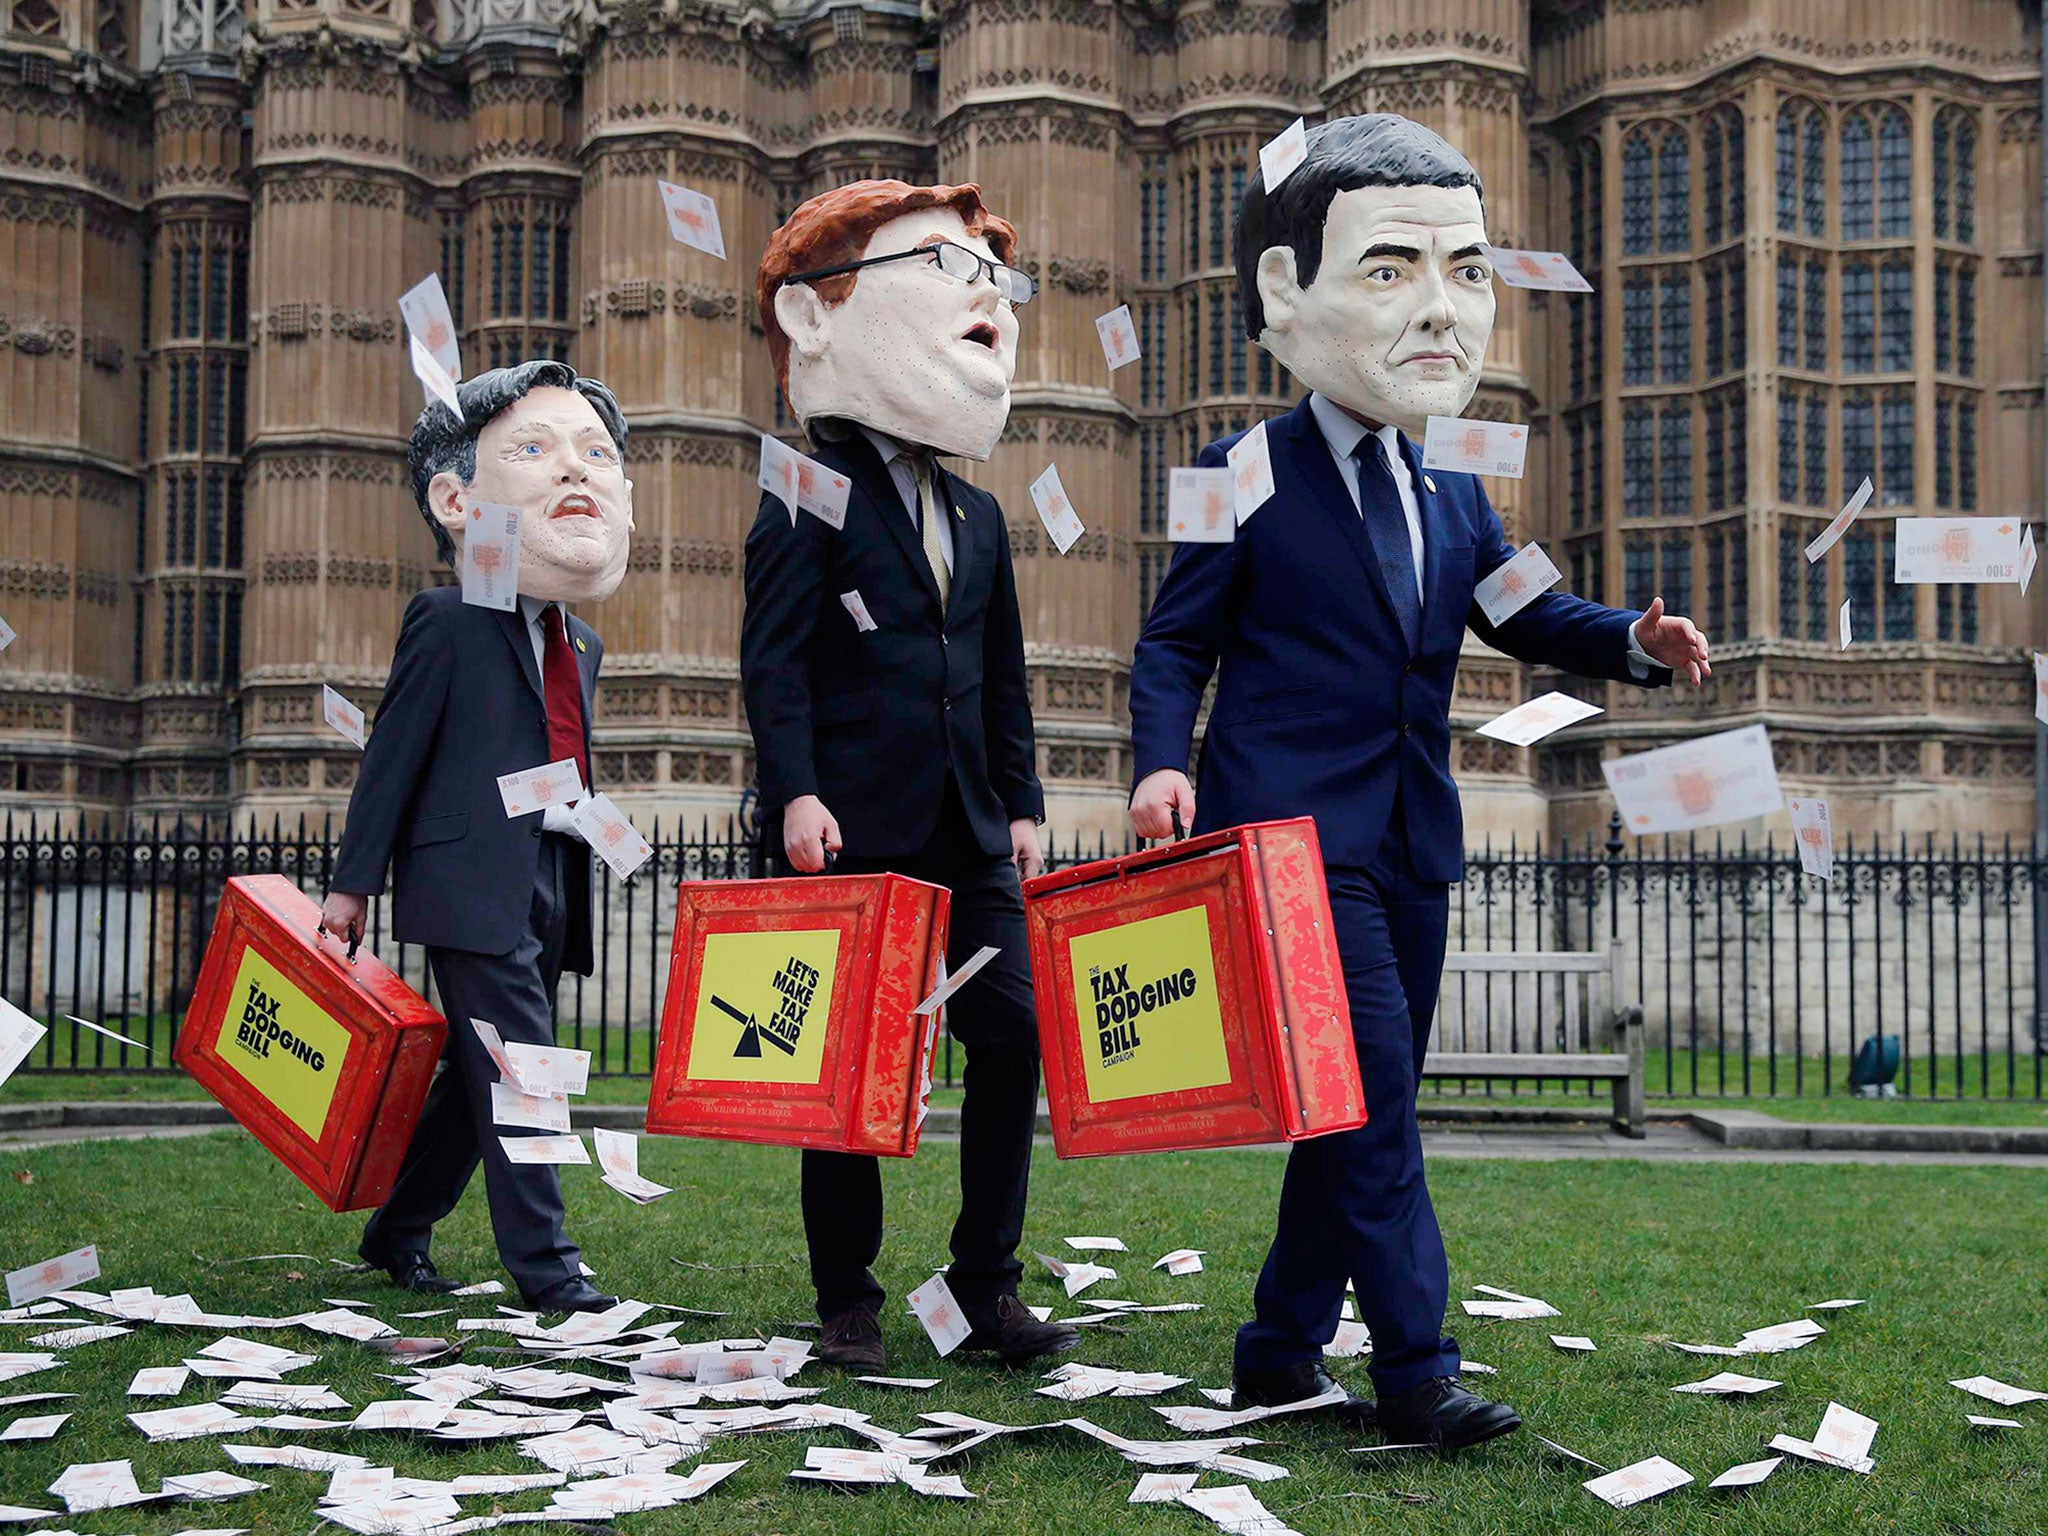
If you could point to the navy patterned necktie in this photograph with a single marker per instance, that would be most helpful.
(1379, 503)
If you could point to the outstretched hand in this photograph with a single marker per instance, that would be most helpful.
(1673, 641)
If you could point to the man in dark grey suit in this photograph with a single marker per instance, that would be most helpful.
(502, 903)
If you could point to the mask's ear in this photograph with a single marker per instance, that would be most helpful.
(804, 317)
(444, 502)
(1279, 293)
(630, 525)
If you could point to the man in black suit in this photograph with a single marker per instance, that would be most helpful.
(883, 663)
(502, 903)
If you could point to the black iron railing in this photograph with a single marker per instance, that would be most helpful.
(1755, 979)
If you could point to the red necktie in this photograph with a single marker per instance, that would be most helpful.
(564, 694)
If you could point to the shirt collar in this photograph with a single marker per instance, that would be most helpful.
(531, 608)
(1344, 432)
(888, 447)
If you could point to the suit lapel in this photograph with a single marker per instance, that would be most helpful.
(1316, 465)
(513, 625)
(873, 482)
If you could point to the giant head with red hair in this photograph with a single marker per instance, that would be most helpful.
(897, 345)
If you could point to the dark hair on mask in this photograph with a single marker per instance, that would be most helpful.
(442, 442)
(1378, 149)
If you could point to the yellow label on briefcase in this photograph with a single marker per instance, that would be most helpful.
(282, 1044)
(1145, 996)
(762, 1004)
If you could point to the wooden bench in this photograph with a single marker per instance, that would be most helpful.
(1566, 1004)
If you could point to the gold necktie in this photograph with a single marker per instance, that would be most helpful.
(930, 513)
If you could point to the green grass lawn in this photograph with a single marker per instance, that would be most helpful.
(1800, 1095)
(1633, 1254)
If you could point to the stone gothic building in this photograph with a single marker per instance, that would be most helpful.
(1804, 224)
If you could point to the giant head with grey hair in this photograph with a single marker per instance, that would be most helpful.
(538, 437)
(1365, 272)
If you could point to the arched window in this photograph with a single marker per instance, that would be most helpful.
(1813, 173)
(1894, 175)
(1674, 193)
(1710, 180)
(1955, 176)
(1736, 218)
(1721, 175)
(1638, 196)
(1858, 177)
(1788, 168)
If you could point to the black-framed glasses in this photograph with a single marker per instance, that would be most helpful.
(956, 261)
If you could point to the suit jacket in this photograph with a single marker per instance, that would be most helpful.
(463, 704)
(1322, 708)
(873, 723)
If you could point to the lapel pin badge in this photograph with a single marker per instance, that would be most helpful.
(580, 645)
(1429, 484)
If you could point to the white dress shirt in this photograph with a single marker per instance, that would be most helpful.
(554, 818)
(903, 471)
(1343, 432)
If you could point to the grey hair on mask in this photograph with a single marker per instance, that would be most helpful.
(443, 442)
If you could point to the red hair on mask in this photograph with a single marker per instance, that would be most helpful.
(834, 227)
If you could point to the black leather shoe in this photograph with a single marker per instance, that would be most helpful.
(416, 1272)
(1442, 1414)
(1279, 1385)
(1006, 1327)
(574, 1295)
(853, 1340)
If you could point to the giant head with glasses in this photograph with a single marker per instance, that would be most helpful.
(1366, 271)
(894, 306)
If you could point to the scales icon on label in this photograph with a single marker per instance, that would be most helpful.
(751, 1036)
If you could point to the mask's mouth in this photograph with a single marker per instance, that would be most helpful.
(983, 334)
(574, 505)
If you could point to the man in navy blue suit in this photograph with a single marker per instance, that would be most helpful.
(1333, 623)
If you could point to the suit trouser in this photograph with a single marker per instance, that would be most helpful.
(993, 1017)
(514, 991)
(1354, 1206)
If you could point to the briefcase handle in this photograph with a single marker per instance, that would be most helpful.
(1180, 833)
(355, 939)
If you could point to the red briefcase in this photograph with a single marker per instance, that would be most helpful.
(323, 1057)
(1192, 996)
(788, 1017)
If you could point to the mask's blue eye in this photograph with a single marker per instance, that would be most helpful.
(599, 453)
(529, 448)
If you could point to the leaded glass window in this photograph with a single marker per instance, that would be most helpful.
(1859, 319)
(1674, 326)
(1894, 176)
(1638, 196)
(1674, 193)
(1858, 177)
(1638, 461)
(1674, 461)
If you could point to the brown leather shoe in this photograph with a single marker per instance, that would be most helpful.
(1006, 1327)
(853, 1340)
